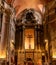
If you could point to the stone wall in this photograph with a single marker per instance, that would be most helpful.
(51, 23)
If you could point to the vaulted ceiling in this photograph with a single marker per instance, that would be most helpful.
(20, 5)
(39, 5)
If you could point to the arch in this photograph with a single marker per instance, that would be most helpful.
(29, 16)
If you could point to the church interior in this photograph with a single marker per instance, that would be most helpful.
(27, 32)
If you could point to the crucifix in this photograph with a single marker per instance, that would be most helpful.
(29, 37)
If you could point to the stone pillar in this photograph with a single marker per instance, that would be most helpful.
(4, 34)
(35, 45)
(23, 45)
(38, 38)
(39, 50)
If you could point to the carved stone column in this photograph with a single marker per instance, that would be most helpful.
(4, 33)
(36, 38)
(23, 45)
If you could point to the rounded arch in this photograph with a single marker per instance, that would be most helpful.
(29, 16)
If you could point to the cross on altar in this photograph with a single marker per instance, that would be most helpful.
(29, 37)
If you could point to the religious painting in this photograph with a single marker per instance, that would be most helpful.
(29, 39)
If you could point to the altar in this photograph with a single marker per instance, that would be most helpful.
(28, 61)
